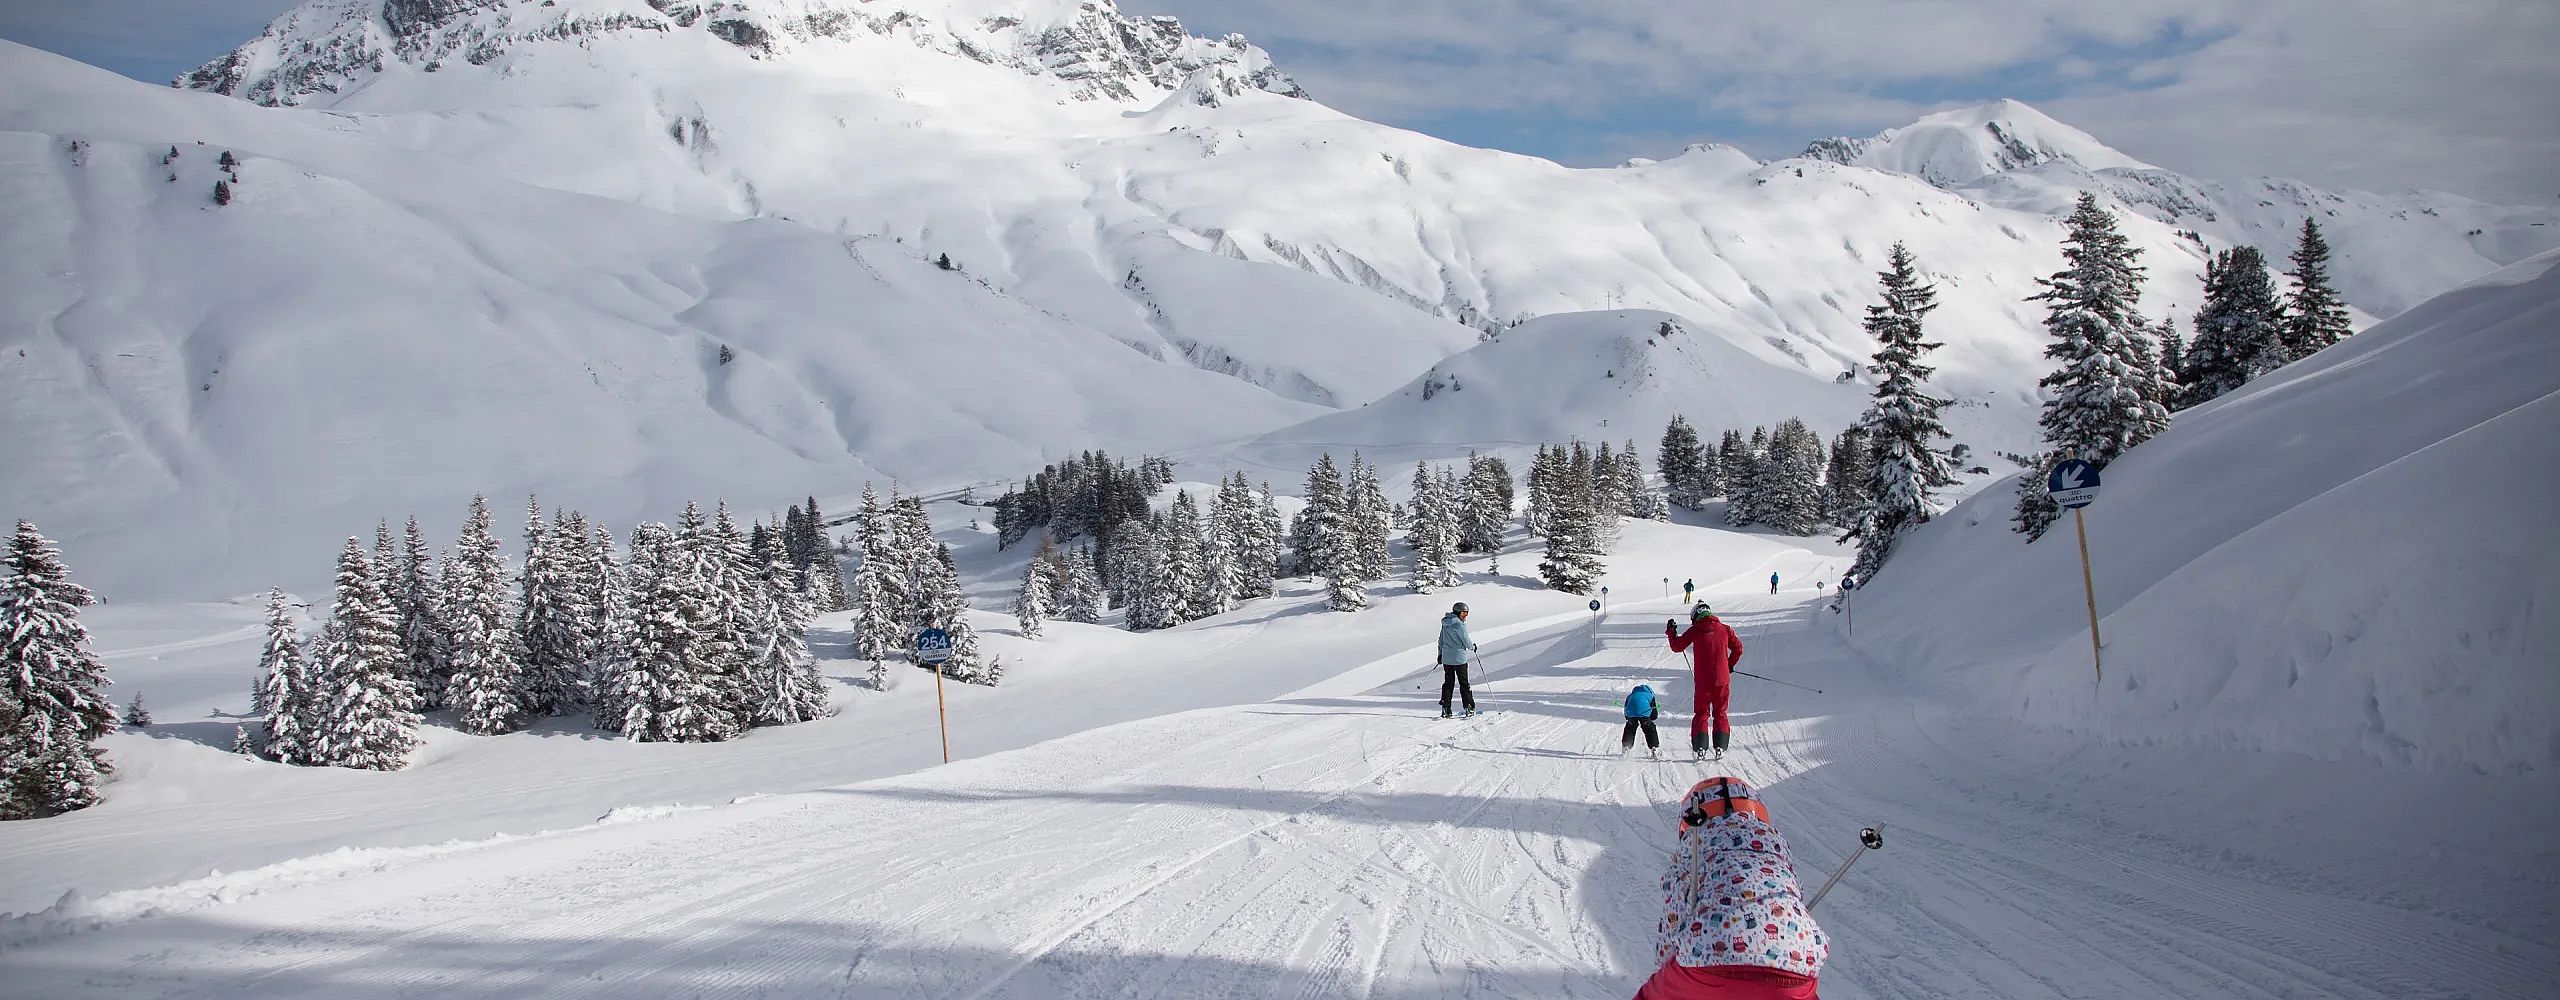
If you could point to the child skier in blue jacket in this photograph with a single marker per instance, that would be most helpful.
(1641, 711)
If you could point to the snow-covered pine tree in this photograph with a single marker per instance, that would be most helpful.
(548, 619)
(387, 574)
(1031, 600)
(363, 717)
(2240, 331)
(2102, 400)
(1844, 500)
(1682, 461)
(783, 680)
(487, 685)
(1373, 522)
(1572, 563)
(52, 711)
(1137, 572)
(1221, 553)
(1537, 515)
(1793, 501)
(1262, 577)
(1729, 465)
(1433, 534)
(425, 639)
(1747, 477)
(2315, 315)
(1085, 598)
(795, 537)
(284, 694)
(1180, 540)
(1639, 500)
(914, 544)
(608, 614)
(823, 572)
(658, 684)
(2035, 510)
(1322, 517)
(1485, 507)
(876, 598)
(968, 661)
(1899, 462)
(713, 553)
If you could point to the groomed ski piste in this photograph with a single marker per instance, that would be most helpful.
(1338, 841)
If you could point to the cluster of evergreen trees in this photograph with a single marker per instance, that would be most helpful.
(699, 636)
(52, 711)
(2246, 329)
(1785, 478)
(1090, 495)
(1167, 568)
(906, 583)
(1576, 496)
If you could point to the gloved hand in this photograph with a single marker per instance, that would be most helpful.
(1669, 626)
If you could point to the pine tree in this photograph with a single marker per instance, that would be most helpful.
(1137, 568)
(2102, 400)
(1262, 578)
(968, 661)
(1543, 474)
(608, 609)
(52, 712)
(1031, 602)
(1683, 464)
(1434, 533)
(1183, 562)
(487, 685)
(1639, 500)
(547, 620)
(1085, 599)
(285, 696)
(136, 715)
(2035, 510)
(783, 680)
(1372, 522)
(387, 574)
(878, 585)
(660, 690)
(1321, 518)
(1485, 509)
(1896, 458)
(363, 717)
(1844, 482)
(1222, 550)
(426, 641)
(824, 573)
(2240, 331)
(1787, 488)
(1572, 563)
(1746, 478)
(712, 554)
(2315, 315)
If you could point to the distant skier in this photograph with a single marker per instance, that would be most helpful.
(1689, 592)
(1734, 925)
(1773, 583)
(1456, 652)
(1713, 651)
(1642, 709)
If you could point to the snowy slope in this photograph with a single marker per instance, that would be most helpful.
(201, 397)
(1598, 376)
(1342, 843)
(1954, 148)
(2346, 560)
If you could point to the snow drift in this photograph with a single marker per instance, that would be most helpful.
(2348, 559)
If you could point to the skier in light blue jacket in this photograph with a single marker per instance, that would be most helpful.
(1457, 650)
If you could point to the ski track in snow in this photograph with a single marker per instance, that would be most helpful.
(1341, 847)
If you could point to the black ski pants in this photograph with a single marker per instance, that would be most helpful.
(1652, 740)
(1453, 678)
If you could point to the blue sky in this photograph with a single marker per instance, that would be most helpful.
(2457, 95)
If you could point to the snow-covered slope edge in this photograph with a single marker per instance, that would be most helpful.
(2350, 560)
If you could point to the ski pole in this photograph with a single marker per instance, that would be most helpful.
(1869, 839)
(1773, 680)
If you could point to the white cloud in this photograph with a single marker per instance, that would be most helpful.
(2381, 94)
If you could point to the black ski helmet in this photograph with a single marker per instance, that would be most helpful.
(1459, 608)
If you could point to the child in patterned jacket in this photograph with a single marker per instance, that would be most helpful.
(1735, 926)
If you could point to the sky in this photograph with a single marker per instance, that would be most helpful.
(2381, 95)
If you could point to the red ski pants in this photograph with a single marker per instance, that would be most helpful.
(1710, 705)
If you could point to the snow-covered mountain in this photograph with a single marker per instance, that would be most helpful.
(2342, 560)
(2405, 247)
(459, 220)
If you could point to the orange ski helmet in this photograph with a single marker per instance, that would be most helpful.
(1722, 795)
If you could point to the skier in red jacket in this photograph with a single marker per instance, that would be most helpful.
(1713, 651)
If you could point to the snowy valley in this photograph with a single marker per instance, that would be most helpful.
(890, 259)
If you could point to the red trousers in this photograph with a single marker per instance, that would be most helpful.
(1726, 982)
(1709, 706)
